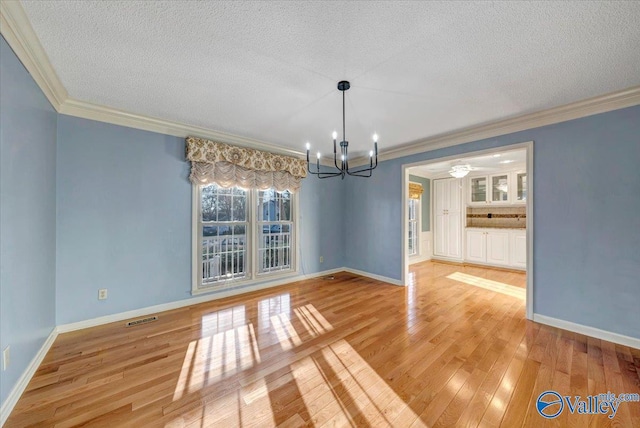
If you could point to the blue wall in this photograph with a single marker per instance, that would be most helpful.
(586, 218)
(124, 220)
(27, 216)
(425, 201)
(321, 225)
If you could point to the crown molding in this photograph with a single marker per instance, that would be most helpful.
(86, 110)
(601, 104)
(17, 31)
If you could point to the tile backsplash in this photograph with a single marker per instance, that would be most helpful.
(498, 217)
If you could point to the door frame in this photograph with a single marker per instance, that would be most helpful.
(528, 146)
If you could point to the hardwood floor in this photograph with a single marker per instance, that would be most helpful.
(451, 349)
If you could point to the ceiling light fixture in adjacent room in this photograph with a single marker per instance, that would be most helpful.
(343, 168)
(460, 170)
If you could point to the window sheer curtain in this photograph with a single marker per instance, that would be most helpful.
(228, 166)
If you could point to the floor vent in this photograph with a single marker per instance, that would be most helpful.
(142, 321)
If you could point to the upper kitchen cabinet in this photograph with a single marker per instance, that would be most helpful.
(478, 193)
(520, 190)
(498, 189)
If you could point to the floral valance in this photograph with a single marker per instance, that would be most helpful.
(415, 190)
(213, 162)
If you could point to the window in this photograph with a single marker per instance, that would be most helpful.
(241, 235)
(414, 205)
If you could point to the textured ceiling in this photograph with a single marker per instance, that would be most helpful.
(268, 70)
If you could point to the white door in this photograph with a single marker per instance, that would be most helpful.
(448, 229)
(441, 223)
(498, 247)
(454, 235)
(454, 214)
(476, 246)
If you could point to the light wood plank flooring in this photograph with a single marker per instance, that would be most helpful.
(451, 349)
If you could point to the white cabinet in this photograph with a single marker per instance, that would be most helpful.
(448, 218)
(477, 190)
(489, 246)
(518, 247)
(476, 246)
(498, 189)
(497, 247)
(519, 187)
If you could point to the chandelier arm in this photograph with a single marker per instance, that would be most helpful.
(358, 171)
(328, 175)
(335, 157)
(371, 167)
(321, 174)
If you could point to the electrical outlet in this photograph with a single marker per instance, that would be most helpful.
(6, 358)
(321, 259)
(102, 294)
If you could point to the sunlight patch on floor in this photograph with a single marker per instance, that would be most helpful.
(336, 385)
(230, 349)
(488, 284)
(313, 323)
(287, 334)
(339, 387)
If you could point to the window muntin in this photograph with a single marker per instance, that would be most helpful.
(223, 233)
(274, 231)
(242, 234)
(413, 226)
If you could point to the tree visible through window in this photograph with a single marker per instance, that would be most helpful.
(243, 233)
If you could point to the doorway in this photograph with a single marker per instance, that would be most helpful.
(481, 217)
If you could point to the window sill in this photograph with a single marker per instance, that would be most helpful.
(250, 284)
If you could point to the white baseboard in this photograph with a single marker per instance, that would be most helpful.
(121, 316)
(374, 276)
(588, 331)
(419, 259)
(447, 259)
(24, 380)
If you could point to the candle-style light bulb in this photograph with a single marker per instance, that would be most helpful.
(375, 138)
(308, 146)
(318, 155)
(370, 153)
(343, 157)
(334, 135)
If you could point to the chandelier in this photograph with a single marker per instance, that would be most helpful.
(342, 167)
(459, 171)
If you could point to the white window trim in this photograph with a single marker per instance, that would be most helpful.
(254, 277)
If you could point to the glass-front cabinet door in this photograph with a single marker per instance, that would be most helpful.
(500, 188)
(521, 187)
(479, 190)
